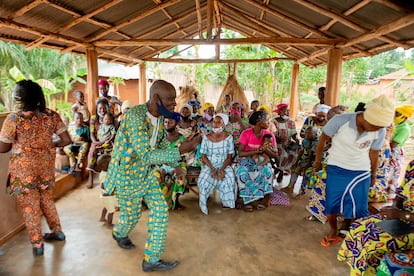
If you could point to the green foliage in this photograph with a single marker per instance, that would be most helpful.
(64, 109)
(54, 71)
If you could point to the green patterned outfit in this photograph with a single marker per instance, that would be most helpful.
(131, 176)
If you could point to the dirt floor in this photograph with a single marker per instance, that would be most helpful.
(276, 241)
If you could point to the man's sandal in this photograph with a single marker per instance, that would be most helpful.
(327, 241)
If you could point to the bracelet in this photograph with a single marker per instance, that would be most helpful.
(407, 216)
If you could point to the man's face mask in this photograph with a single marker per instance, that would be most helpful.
(164, 111)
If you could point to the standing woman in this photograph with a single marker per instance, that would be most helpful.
(255, 189)
(28, 134)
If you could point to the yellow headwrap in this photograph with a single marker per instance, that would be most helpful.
(265, 108)
(406, 109)
(206, 106)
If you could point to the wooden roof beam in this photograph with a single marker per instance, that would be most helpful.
(149, 55)
(230, 41)
(286, 18)
(158, 2)
(133, 19)
(210, 18)
(199, 19)
(189, 25)
(385, 29)
(262, 12)
(80, 18)
(343, 20)
(181, 60)
(351, 10)
(264, 31)
(26, 8)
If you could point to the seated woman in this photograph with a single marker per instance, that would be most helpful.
(366, 243)
(318, 121)
(255, 184)
(236, 125)
(171, 186)
(96, 121)
(286, 137)
(205, 123)
(217, 149)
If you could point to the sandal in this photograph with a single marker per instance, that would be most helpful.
(310, 218)
(327, 242)
(248, 208)
(261, 207)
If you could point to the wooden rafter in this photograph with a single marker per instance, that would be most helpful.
(262, 12)
(181, 60)
(158, 28)
(349, 11)
(136, 18)
(347, 22)
(251, 22)
(383, 30)
(210, 18)
(199, 19)
(158, 2)
(229, 41)
(286, 18)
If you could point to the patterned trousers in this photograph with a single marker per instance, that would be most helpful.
(131, 211)
(82, 153)
(34, 204)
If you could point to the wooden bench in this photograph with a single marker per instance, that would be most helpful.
(192, 175)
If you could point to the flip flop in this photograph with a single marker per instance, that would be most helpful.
(327, 242)
(310, 218)
(261, 207)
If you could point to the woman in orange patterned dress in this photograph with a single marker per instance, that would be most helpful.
(28, 134)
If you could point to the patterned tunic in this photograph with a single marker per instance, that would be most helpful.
(131, 176)
(32, 162)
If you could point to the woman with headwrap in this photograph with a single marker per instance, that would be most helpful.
(318, 121)
(217, 151)
(398, 139)
(317, 198)
(236, 124)
(286, 137)
(352, 162)
(205, 123)
(187, 126)
(255, 184)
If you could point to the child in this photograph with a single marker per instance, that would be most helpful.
(108, 200)
(306, 158)
(78, 150)
(262, 159)
(80, 106)
(106, 133)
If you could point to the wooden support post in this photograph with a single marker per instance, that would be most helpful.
(142, 93)
(92, 79)
(294, 95)
(333, 78)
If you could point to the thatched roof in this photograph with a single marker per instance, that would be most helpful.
(131, 31)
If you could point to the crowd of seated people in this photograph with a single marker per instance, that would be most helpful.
(236, 152)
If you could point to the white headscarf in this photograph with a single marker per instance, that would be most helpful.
(224, 117)
(322, 108)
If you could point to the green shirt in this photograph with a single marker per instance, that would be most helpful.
(401, 133)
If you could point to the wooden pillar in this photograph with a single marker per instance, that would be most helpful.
(333, 78)
(142, 93)
(92, 79)
(294, 95)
